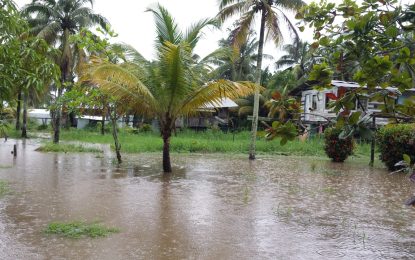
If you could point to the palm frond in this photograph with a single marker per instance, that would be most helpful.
(50, 31)
(292, 5)
(245, 110)
(119, 81)
(291, 27)
(38, 8)
(167, 29)
(272, 24)
(213, 92)
(230, 9)
(175, 62)
(131, 54)
(194, 34)
(241, 32)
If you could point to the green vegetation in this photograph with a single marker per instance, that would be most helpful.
(210, 141)
(4, 188)
(173, 85)
(336, 148)
(394, 141)
(78, 229)
(67, 148)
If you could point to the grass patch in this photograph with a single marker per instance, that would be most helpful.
(209, 141)
(79, 229)
(67, 148)
(4, 188)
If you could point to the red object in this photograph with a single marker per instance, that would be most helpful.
(276, 95)
(331, 96)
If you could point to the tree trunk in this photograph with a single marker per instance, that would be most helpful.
(19, 101)
(57, 124)
(166, 128)
(135, 121)
(24, 125)
(65, 66)
(113, 115)
(257, 81)
(127, 120)
(71, 120)
(166, 152)
(103, 125)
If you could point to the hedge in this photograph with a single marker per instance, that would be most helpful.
(394, 141)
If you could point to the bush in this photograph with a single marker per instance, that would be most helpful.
(145, 128)
(394, 141)
(337, 149)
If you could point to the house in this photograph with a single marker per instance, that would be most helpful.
(215, 114)
(41, 116)
(315, 103)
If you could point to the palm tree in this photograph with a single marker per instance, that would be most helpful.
(173, 85)
(234, 62)
(271, 13)
(298, 58)
(55, 21)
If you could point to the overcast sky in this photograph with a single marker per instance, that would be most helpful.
(136, 27)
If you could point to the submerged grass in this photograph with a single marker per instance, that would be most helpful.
(4, 188)
(207, 142)
(78, 229)
(67, 148)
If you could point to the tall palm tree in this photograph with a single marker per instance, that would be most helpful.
(272, 13)
(298, 58)
(173, 85)
(56, 21)
(234, 62)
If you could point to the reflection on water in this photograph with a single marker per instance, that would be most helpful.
(212, 207)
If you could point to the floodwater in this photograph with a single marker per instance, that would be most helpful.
(213, 207)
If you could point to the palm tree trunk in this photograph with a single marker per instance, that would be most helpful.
(166, 134)
(257, 81)
(24, 126)
(166, 152)
(113, 116)
(18, 110)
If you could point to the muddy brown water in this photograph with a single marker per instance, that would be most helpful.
(213, 207)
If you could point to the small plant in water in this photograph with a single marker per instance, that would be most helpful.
(78, 229)
(4, 188)
(313, 166)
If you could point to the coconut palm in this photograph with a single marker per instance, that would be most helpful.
(169, 87)
(272, 13)
(235, 62)
(55, 21)
(298, 58)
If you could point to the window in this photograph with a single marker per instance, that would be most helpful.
(327, 102)
(314, 102)
(362, 101)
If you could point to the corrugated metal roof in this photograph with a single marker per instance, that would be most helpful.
(224, 102)
(38, 113)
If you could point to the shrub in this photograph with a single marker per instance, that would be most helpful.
(145, 128)
(337, 149)
(394, 141)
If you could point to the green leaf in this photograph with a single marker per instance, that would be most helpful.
(354, 118)
(407, 158)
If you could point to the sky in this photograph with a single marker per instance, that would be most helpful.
(136, 27)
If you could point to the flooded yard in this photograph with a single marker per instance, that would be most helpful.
(212, 207)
